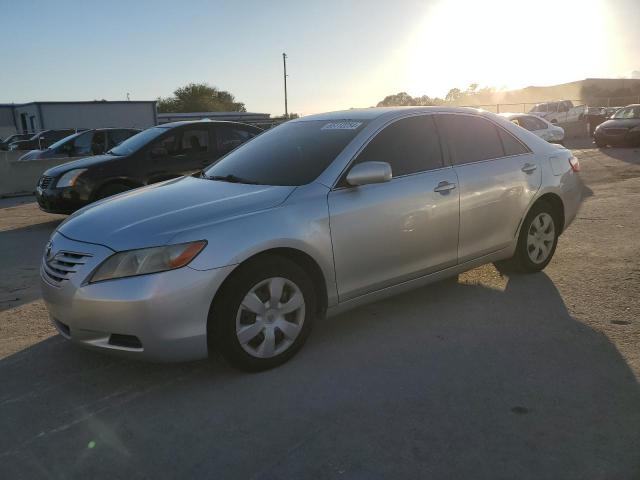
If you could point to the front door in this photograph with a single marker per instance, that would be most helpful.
(498, 177)
(387, 233)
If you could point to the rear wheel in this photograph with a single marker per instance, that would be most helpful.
(263, 314)
(537, 241)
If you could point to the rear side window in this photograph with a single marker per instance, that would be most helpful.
(410, 145)
(115, 137)
(229, 138)
(510, 144)
(471, 138)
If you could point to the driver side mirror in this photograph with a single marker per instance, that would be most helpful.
(369, 172)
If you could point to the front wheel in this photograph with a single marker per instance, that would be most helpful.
(110, 190)
(537, 241)
(263, 314)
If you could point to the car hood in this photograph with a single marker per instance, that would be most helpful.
(621, 123)
(85, 162)
(153, 215)
(32, 155)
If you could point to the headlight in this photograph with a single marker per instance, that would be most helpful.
(69, 179)
(147, 260)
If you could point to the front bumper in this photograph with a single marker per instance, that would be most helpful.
(626, 138)
(60, 200)
(166, 313)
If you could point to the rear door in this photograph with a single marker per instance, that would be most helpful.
(387, 233)
(498, 178)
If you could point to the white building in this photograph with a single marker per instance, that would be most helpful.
(38, 116)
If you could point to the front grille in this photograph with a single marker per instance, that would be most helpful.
(62, 265)
(44, 182)
(615, 131)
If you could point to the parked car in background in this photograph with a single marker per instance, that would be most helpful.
(596, 115)
(4, 144)
(319, 214)
(559, 112)
(82, 144)
(622, 129)
(43, 139)
(537, 125)
(153, 155)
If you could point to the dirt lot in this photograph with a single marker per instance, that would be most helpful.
(487, 377)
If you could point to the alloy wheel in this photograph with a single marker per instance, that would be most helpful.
(540, 238)
(270, 317)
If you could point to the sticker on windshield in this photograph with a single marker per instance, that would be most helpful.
(342, 125)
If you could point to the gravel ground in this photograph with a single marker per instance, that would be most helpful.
(491, 376)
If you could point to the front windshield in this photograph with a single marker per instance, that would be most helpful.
(139, 140)
(61, 142)
(629, 112)
(293, 153)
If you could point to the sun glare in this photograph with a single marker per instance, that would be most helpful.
(507, 43)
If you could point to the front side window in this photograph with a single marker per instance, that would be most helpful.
(138, 141)
(169, 144)
(410, 145)
(471, 138)
(294, 153)
(82, 144)
(629, 112)
(195, 141)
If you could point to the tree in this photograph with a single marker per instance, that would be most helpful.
(199, 97)
(403, 99)
(453, 95)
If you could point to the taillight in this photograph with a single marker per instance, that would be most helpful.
(575, 164)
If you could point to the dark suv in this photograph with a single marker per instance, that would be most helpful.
(82, 144)
(156, 154)
(43, 139)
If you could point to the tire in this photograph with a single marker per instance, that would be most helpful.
(534, 254)
(243, 327)
(600, 143)
(111, 189)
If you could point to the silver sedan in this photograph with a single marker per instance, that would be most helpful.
(313, 217)
(537, 125)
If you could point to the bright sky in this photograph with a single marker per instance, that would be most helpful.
(342, 54)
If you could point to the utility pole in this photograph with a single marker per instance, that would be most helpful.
(284, 62)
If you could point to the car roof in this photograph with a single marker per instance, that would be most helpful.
(205, 121)
(377, 112)
(511, 115)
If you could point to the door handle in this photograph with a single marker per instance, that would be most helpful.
(444, 187)
(529, 168)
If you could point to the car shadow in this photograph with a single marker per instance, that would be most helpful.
(454, 380)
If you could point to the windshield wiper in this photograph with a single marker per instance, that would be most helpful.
(230, 178)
